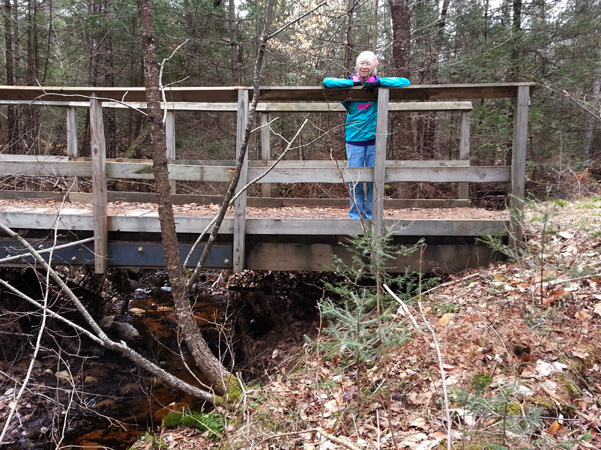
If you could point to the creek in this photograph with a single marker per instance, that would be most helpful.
(133, 401)
(110, 401)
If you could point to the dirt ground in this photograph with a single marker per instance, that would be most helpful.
(501, 358)
(504, 357)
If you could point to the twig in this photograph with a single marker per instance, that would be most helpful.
(442, 377)
(47, 250)
(404, 307)
(90, 97)
(338, 440)
(238, 194)
(162, 67)
(582, 104)
(448, 283)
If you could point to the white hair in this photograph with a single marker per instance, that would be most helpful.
(369, 57)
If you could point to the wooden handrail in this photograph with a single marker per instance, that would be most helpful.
(438, 92)
(426, 106)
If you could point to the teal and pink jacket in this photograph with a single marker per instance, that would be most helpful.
(361, 118)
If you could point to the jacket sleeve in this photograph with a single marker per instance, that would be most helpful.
(337, 82)
(394, 82)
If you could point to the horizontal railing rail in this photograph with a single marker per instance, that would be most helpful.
(451, 171)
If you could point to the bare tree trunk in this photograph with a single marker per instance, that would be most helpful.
(592, 123)
(235, 54)
(516, 31)
(210, 366)
(426, 123)
(11, 116)
(401, 46)
(349, 45)
(31, 126)
(401, 36)
(376, 29)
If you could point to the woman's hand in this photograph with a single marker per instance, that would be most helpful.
(371, 86)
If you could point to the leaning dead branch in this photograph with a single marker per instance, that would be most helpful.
(238, 194)
(404, 307)
(98, 334)
(47, 250)
(265, 37)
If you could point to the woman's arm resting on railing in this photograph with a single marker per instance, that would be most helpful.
(330, 82)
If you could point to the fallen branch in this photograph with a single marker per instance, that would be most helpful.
(98, 335)
(404, 307)
(442, 377)
(47, 250)
(234, 198)
(337, 440)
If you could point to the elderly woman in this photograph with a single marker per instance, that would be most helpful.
(360, 126)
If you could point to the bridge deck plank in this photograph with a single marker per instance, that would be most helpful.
(192, 218)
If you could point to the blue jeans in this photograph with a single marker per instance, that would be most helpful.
(361, 197)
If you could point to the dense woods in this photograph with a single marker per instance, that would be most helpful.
(214, 43)
(116, 43)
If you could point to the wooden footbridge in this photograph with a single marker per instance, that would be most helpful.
(85, 228)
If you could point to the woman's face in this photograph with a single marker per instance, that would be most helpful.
(365, 69)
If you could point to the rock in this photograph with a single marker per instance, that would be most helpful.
(125, 330)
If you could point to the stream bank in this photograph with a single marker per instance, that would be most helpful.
(81, 394)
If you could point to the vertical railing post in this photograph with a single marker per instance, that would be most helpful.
(265, 150)
(380, 162)
(240, 203)
(99, 193)
(518, 164)
(170, 138)
(464, 152)
(72, 149)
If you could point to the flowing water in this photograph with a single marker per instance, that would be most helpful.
(112, 401)
(137, 402)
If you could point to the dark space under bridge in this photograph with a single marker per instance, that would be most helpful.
(131, 237)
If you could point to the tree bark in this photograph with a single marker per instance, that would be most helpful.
(211, 367)
(401, 46)
(235, 54)
(401, 36)
(516, 50)
(349, 45)
(11, 117)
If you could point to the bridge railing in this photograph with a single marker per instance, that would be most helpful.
(272, 100)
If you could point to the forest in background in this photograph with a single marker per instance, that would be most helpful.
(556, 44)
